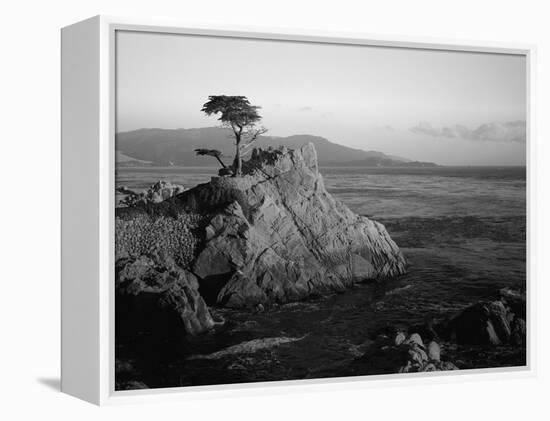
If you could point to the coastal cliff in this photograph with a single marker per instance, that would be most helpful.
(274, 235)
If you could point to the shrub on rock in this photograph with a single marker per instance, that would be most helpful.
(145, 235)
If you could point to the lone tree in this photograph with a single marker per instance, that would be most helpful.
(237, 114)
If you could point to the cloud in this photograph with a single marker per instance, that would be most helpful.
(510, 131)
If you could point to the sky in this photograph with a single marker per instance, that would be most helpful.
(452, 108)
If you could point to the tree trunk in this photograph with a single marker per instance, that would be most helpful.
(221, 162)
(237, 163)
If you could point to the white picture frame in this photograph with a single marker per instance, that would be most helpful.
(88, 161)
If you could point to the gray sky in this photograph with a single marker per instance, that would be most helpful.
(446, 107)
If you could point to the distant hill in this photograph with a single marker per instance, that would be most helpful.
(127, 161)
(176, 147)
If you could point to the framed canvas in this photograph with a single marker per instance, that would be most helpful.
(247, 209)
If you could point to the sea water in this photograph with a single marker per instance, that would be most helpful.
(461, 229)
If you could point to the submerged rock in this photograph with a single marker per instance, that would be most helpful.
(248, 347)
(276, 235)
(158, 293)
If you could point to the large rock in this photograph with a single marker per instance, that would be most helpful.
(157, 293)
(276, 235)
(486, 323)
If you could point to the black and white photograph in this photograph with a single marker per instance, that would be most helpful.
(292, 210)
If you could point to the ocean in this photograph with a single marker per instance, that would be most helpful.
(461, 229)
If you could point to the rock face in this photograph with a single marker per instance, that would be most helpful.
(161, 294)
(276, 235)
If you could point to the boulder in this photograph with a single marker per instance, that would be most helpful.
(402, 356)
(434, 351)
(276, 235)
(483, 323)
(156, 293)
(399, 338)
(415, 339)
(519, 331)
(417, 355)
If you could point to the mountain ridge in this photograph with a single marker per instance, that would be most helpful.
(176, 147)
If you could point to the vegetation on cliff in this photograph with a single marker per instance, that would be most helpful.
(145, 235)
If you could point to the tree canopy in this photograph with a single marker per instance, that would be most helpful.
(236, 113)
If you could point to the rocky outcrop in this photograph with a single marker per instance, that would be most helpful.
(159, 293)
(273, 235)
(276, 235)
(158, 192)
(400, 353)
(490, 322)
